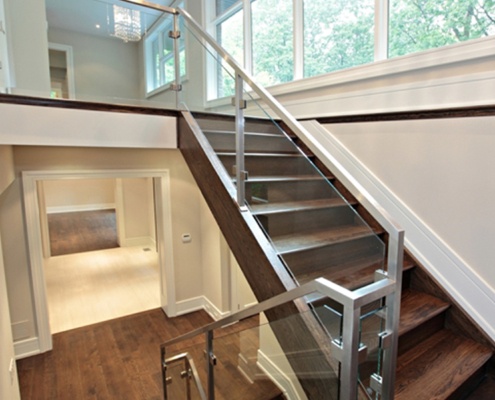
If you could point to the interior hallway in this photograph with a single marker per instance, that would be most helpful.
(96, 286)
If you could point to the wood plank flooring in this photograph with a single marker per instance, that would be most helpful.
(77, 232)
(119, 359)
(95, 286)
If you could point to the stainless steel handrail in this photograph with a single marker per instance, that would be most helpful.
(354, 299)
(345, 349)
(396, 234)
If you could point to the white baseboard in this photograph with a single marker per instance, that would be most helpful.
(144, 241)
(278, 377)
(80, 208)
(26, 348)
(199, 303)
(467, 288)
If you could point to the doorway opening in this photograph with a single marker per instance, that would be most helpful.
(131, 259)
(61, 71)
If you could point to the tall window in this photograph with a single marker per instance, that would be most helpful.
(417, 25)
(272, 41)
(338, 34)
(229, 33)
(159, 53)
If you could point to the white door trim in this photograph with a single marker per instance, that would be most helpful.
(32, 213)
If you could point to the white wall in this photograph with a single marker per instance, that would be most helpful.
(105, 69)
(434, 177)
(50, 126)
(28, 45)
(68, 195)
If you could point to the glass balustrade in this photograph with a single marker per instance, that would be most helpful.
(309, 219)
(261, 357)
(314, 229)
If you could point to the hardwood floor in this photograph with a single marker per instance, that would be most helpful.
(119, 359)
(95, 286)
(77, 232)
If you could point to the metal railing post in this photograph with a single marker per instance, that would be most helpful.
(211, 362)
(241, 174)
(350, 352)
(177, 86)
(394, 272)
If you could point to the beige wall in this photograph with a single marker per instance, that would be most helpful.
(6, 167)
(104, 68)
(137, 212)
(9, 386)
(184, 205)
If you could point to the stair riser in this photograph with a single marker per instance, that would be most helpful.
(336, 259)
(306, 221)
(423, 331)
(252, 143)
(273, 192)
(270, 166)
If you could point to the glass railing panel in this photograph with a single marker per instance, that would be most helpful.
(257, 359)
(372, 327)
(182, 378)
(314, 229)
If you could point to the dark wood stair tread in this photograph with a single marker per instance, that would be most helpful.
(438, 366)
(291, 206)
(418, 307)
(308, 240)
(285, 178)
(247, 133)
(264, 155)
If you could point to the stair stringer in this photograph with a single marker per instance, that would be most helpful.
(263, 269)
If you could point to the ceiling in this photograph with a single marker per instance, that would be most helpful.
(85, 16)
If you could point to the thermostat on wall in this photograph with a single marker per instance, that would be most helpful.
(186, 238)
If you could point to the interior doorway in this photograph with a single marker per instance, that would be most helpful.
(89, 277)
(61, 71)
(32, 181)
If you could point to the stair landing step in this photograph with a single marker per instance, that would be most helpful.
(292, 206)
(418, 307)
(309, 240)
(438, 367)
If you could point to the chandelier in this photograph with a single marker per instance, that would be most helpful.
(127, 24)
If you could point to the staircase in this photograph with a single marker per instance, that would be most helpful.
(316, 234)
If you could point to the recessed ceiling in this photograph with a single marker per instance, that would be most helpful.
(85, 16)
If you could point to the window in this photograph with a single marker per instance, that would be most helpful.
(338, 34)
(159, 53)
(417, 25)
(333, 35)
(272, 41)
(229, 34)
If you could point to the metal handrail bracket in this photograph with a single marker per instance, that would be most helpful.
(189, 361)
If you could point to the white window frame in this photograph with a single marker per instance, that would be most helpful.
(381, 39)
(156, 33)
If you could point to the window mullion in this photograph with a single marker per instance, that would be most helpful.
(381, 29)
(298, 12)
(248, 37)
